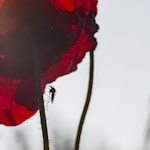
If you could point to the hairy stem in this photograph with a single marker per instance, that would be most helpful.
(87, 101)
(40, 98)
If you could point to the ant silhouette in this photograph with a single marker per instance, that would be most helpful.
(52, 91)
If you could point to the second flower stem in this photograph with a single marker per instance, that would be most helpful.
(87, 102)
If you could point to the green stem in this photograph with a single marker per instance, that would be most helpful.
(87, 101)
(40, 98)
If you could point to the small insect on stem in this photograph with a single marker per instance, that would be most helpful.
(52, 91)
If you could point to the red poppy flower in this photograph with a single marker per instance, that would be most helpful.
(62, 31)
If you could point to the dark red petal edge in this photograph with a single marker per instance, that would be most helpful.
(86, 41)
(71, 59)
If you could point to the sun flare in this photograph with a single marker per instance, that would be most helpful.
(1, 3)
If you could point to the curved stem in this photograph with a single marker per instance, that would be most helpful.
(40, 98)
(87, 102)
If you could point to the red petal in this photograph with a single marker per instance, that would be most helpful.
(70, 5)
(11, 113)
(62, 31)
(70, 59)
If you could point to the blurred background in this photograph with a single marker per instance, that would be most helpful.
(119, 113)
